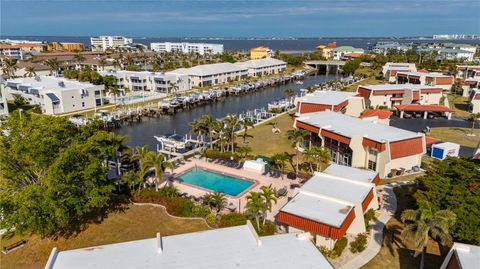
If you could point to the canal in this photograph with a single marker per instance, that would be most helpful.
(142, 133)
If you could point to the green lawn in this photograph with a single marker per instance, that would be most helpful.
(459, 104)
(457, 135)
(393, 253)
(265, 142)
(133, 223)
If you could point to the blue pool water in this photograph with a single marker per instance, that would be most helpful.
(216, 182)
(130, 98)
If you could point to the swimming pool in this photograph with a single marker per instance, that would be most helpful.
(214, 181)
(130, 98)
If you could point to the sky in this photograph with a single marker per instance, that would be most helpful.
(239, 18)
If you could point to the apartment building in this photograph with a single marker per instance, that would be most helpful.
(56, 95)
(331, 205)
(345, 102)
(470, 84)
(424, 78)
(260, 52)
(19, 51)
(262, 67)
(468, 71)
(449, 53)
(200, 48)
(362, 143)
(212, 74)
(462, 256)
(102, 43)
(326, 51)
(475, 101)
(339, 52)
(150, 81)
(390, 70)
(390, 95)
(65, 46)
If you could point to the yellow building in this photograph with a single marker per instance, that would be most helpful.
(260, 52)
(326, 51)
(64, 46)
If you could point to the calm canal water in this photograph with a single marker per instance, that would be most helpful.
(142, 133)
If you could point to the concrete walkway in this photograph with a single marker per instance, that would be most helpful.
(389, 206)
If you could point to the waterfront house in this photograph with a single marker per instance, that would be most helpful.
(262, 67)
(389, 70)
(424, 78)
(150, 81)
(233, 247)
(102, 43)
(390, 95)
(56, 95)
(363, 143)
(260, 52)
(212, 74)
(183, 47)
(344, 102)
(462, 256)
(338, 52)
(331, 204)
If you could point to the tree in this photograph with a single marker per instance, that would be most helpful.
(209, 123)
(78, 58)
(219, 200)
(269, 198)
(110, 83)
(245, 123)
(297, 136)
(442, 185)
(54, 66)
(423, 223)
(244, 151)
(102, 62)
(52, 174)
(30, 71)
(159, 165)
(9, 67)
(474, 117)
(279, 160)
(255, 205)
(231, 122)
(316, 155)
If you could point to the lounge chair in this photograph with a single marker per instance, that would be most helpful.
(282, 192)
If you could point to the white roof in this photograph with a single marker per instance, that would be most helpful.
(341, 188)
(318, 208)
(419, 74)
(350, 127)
(393, 87)
(468, 255)
(259, 63)
(234, 247)
(447, 145)
(327, 97)
(210, 69)
(49, 83)
(351, 173)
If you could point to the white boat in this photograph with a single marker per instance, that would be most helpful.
(299, 82)
(172, 141)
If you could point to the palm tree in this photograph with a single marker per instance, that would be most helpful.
(218, 200)
(199, 128)
(244, 151)
(159, 165)
(423, 223)
(279, 160)
(209, 122)
(9, 68)
(245, 123)
(208, 200)
(297, 136)
(102, 62)
(317, 155)
(474, 117)
(53, 64)
(78, 58)
(231, 122)
(30, 71)
(269, 197)
(110, 86)
(255, 205)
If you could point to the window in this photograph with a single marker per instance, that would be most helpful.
(372, 152)
(372, 165)
(83, 104)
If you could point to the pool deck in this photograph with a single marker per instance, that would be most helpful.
(240, 200)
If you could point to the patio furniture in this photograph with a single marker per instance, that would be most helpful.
(291, 175)
(294, 185)
(232, 207)
(282, 192)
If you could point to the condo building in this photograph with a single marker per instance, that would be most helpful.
(331, 204)
(390, 95)
(390, 70)
(150, 81)
(19, 51)
(363, 143)
(233, 247)
(212, 74)
(3, 101)
(424, 78)
(260, 52)
(475, 101)
(262, 67)
(65, 46)
(102, 43)
(345, 102)
(200, 48)
(468, 71)
(338, 52)
(470, 84)
(56, 95)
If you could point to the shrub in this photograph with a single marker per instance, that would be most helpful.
(369, 215)
(179, 206)
(267, 229)
(200, 211)
(211, 219)
(232, 219)
(359, 244)
(340, 245)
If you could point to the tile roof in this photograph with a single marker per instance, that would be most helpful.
(380, 113)
(418, 107)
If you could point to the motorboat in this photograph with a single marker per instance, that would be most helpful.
(171, 141)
